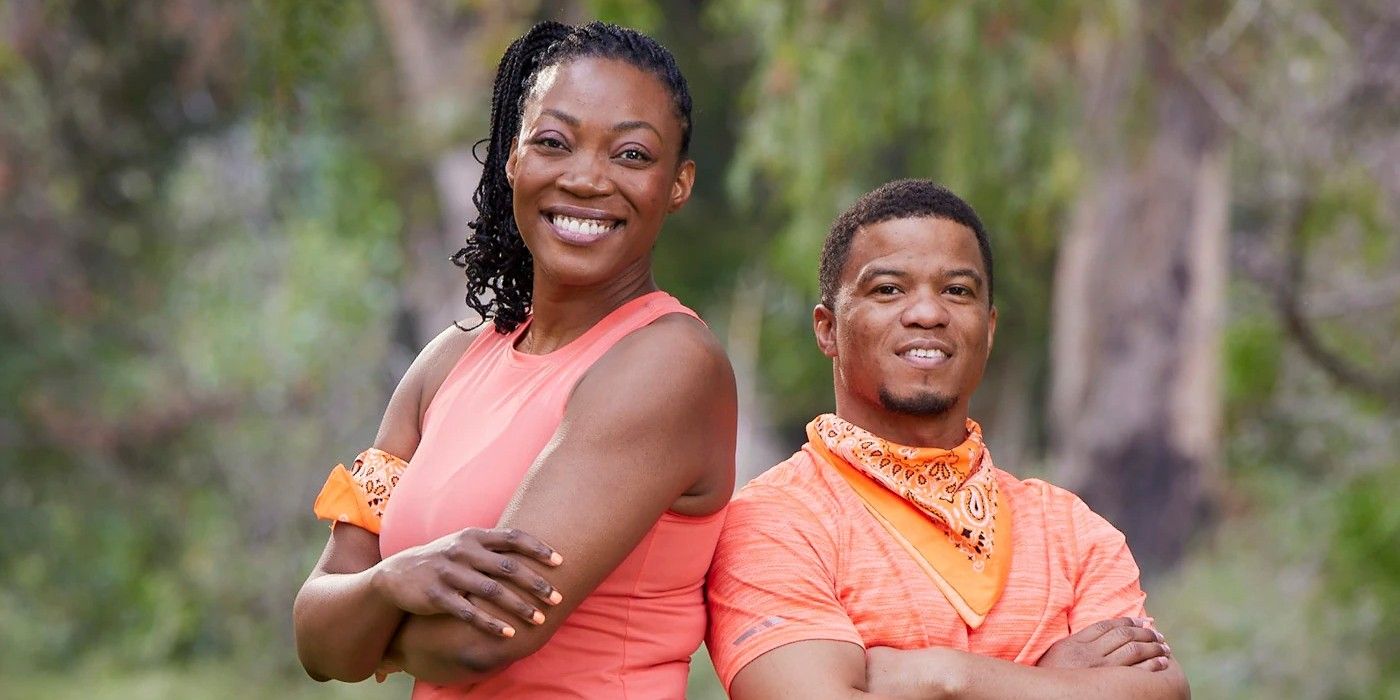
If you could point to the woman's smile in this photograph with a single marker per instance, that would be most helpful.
(580, 226)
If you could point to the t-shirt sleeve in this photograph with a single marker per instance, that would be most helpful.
(772, 582)
(1108, 584)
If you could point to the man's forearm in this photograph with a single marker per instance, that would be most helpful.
(928, 674)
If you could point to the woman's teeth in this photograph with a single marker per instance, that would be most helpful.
(583, 227)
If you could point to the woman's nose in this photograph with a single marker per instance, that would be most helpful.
(586, 176)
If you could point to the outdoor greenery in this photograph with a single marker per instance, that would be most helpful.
(214, 215)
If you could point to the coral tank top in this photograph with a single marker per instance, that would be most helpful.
(493, 415)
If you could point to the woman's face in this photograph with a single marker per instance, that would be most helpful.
(595, 170)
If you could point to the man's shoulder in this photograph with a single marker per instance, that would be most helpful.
(796, 489)
(1052, 497)
(1063, 514)
(798, 476)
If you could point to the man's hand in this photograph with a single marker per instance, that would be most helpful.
(1123, 641)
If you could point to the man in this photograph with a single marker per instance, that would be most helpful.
(890, 557)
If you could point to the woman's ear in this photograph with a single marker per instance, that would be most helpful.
(511, 162)
(680, 189)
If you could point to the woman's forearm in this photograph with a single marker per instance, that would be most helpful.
(343, 627)
(444, 650)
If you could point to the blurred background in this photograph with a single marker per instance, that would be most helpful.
(226, 228)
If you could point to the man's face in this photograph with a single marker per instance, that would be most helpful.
(912, 325)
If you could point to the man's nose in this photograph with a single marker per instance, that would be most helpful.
(925, 310)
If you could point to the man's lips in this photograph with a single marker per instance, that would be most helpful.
(925, 353)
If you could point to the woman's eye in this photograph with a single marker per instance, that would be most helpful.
(549, 142)
(636, 155)
(960, 290)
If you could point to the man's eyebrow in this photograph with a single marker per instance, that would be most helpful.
(965, 272)
(565, 117)
(635, 124)
(873, 272)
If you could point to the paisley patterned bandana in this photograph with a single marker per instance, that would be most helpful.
(358, 495)
(947, 512)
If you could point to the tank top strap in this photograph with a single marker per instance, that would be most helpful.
(585, 349)
(635, 314)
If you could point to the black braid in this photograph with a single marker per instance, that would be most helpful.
(499, 268)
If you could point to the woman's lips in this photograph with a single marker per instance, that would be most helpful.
(577, 230)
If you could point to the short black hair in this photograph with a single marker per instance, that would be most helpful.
(499, 268)
(900, 199)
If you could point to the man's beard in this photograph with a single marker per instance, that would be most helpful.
(928, 403)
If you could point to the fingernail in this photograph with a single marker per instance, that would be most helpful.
(555, 559)
(538, 618)
(1159, 636)
(1140, 621)
(1166, 648)
(507, 631)
(555, 597)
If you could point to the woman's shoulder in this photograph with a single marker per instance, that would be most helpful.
(401, 427)
(436, 360)
(684, 342)
(672, 350)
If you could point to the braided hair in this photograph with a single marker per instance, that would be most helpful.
(499, 268)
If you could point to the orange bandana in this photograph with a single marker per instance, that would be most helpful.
(358, 495)
(940, 505)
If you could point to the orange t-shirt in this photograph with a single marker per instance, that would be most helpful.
(801, 558)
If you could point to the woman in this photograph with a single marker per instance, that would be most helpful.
(596, 414)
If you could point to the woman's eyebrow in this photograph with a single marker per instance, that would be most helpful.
(565, 117)
(635, 124)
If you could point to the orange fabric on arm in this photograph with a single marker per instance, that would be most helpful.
(358, 495)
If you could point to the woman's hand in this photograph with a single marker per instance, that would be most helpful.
(1123, 641)
(436, 578)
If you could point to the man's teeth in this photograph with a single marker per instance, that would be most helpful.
(931, 354)
(586, 227)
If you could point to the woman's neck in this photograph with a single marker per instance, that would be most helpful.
(561, 313)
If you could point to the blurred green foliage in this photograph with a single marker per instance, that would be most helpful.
(206, 207)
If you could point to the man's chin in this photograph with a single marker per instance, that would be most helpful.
(922, 403)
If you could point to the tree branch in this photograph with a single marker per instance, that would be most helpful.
(1300, 330)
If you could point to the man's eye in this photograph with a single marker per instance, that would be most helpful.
(887, 289)
(959, 290)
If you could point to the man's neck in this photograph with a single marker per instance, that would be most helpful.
(944, 431)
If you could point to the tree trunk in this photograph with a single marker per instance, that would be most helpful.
(447, 82)
(1139, 297)
(756, 446)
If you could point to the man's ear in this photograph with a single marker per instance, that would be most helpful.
(824, 328)
(511, 164)
(680, 189)
(991, 329)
